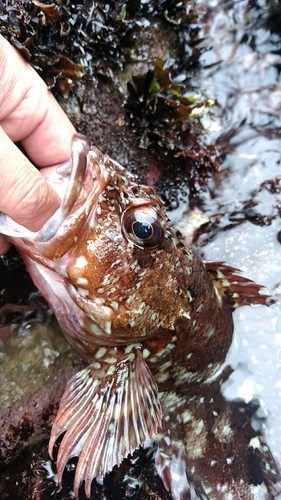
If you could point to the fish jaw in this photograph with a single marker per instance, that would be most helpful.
(71, 318)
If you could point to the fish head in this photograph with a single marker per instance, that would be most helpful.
(115, 250)
(124, 265)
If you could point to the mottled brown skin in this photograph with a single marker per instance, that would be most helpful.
(153, 320)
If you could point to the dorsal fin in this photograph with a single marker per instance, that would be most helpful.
(105, 418)
(234, 288)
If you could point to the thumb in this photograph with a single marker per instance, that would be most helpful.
(24, 194)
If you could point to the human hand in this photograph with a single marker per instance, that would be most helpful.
(29, 114)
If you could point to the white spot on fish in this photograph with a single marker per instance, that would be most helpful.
(99, 301)
(146, 353)
(199, 427)
(165, 366)
(94, 327)
(106, 279)
(111, 370)
(167, 440)
(81, 262)
(223, 489)
(110, 361)
(199, 308)
(130, 347)
(114, 264)
(170, 346)
(101, 352)
(163, 377)
(107, 327)
(255, 443)
(186, 416)
(82, 281)
(210, 333)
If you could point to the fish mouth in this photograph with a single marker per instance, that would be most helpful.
(76, 169)
(87, 179)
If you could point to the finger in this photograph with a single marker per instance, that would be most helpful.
(29, 113)
(27, 197)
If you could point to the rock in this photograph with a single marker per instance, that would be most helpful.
(35, 363)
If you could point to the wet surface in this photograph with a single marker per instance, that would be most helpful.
(236, 219)
(244, 205)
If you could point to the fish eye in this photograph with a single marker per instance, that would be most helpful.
(142, 226)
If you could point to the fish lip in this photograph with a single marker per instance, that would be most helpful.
(85, 175)
(80, 147)
(56, 236)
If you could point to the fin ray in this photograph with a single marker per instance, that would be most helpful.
(72, 403)
(233, 287)
(106, 417)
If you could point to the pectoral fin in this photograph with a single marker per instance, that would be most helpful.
(107, 414)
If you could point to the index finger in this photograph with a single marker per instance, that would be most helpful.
(29, 113)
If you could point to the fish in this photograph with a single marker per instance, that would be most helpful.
(153, 320)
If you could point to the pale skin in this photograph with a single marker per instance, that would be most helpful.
(29, 115)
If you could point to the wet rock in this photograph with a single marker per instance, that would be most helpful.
(35, 363)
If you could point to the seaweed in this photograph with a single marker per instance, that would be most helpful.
(166, 118)
(38, 32)
(61, 40)
(65, 41)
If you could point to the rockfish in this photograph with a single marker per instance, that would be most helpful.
(155, 323)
